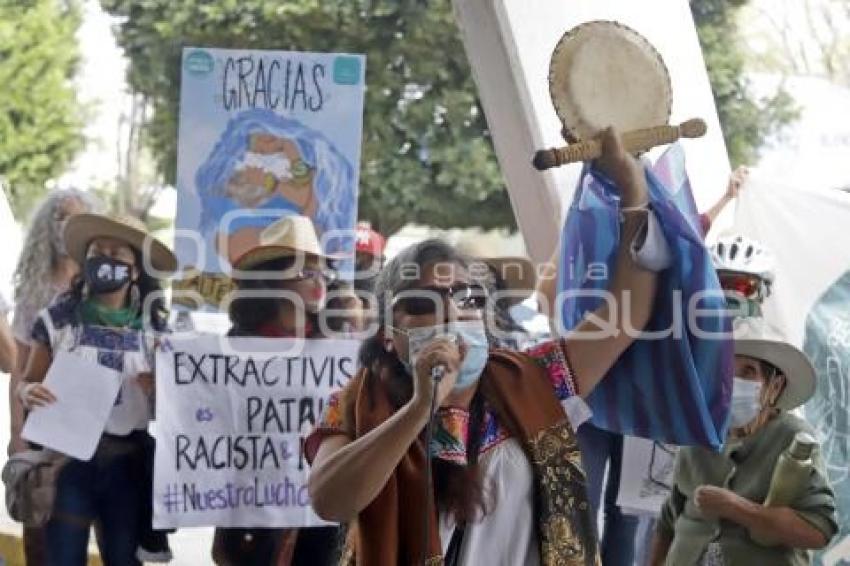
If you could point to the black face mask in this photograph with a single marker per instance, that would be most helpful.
(105, 274)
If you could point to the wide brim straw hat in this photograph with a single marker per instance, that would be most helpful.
(290, 236)
(602, 74)
(517, 273)
(755, 338)
(81, 229)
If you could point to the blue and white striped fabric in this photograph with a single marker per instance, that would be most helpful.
(674, 389)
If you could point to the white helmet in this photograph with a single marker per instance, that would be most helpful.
(739, 254)
(742, 255)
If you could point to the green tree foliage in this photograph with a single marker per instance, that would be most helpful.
(746, 122)
(427, 153)
(40, 118)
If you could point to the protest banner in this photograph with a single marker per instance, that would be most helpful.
(263, 134)
(232, 417)
(806, 231)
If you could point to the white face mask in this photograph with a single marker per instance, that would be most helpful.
(277, 164)
(746, 401)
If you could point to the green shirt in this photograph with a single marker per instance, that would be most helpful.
(745, 467)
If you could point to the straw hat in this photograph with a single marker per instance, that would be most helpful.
(83, 228)
(604, 74)
(755, 338)
(287, 237)
(516, 272)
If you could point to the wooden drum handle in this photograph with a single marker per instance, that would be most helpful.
(634, 141)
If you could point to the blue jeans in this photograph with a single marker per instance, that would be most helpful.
(108, 489)
(598, 447)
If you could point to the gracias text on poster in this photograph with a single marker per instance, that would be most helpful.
(263, 134)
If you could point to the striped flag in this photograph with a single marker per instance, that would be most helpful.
(673, 389)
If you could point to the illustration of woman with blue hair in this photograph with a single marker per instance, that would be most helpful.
(265, 166)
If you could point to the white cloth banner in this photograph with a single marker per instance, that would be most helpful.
(232, 416)
(807, 232)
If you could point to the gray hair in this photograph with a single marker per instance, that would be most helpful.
(40, 254)
(400, 274)
(404, 271)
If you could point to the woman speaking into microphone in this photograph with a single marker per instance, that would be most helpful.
(507, 483)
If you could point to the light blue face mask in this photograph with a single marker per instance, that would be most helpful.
(746, 402)
(475, 339)
(473, 336)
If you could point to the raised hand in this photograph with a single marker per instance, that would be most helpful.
(623, 169)
(443, 351)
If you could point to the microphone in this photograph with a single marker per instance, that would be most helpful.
(437, 372)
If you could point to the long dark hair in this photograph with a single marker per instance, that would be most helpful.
(458, 489)
(147, 285)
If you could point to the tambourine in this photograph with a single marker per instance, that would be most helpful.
(602, 74)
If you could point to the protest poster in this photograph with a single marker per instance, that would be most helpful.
(263, 134)
(232, 418)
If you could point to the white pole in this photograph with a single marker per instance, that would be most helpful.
(509, 45)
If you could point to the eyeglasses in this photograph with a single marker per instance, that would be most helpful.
(743, 283)
(421, 301)
(325, 275)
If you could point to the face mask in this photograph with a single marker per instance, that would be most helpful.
(472, 334)
(475, 339)
(275, 163)
(105, 274)
(746, 401)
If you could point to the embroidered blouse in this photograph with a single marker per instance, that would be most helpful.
(452, 431)
(127, 351)
(495, 538)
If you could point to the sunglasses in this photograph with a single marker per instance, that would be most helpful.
(745, 284)
(421, 301)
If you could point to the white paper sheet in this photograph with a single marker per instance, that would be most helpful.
(646, 476)
(85, 394)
